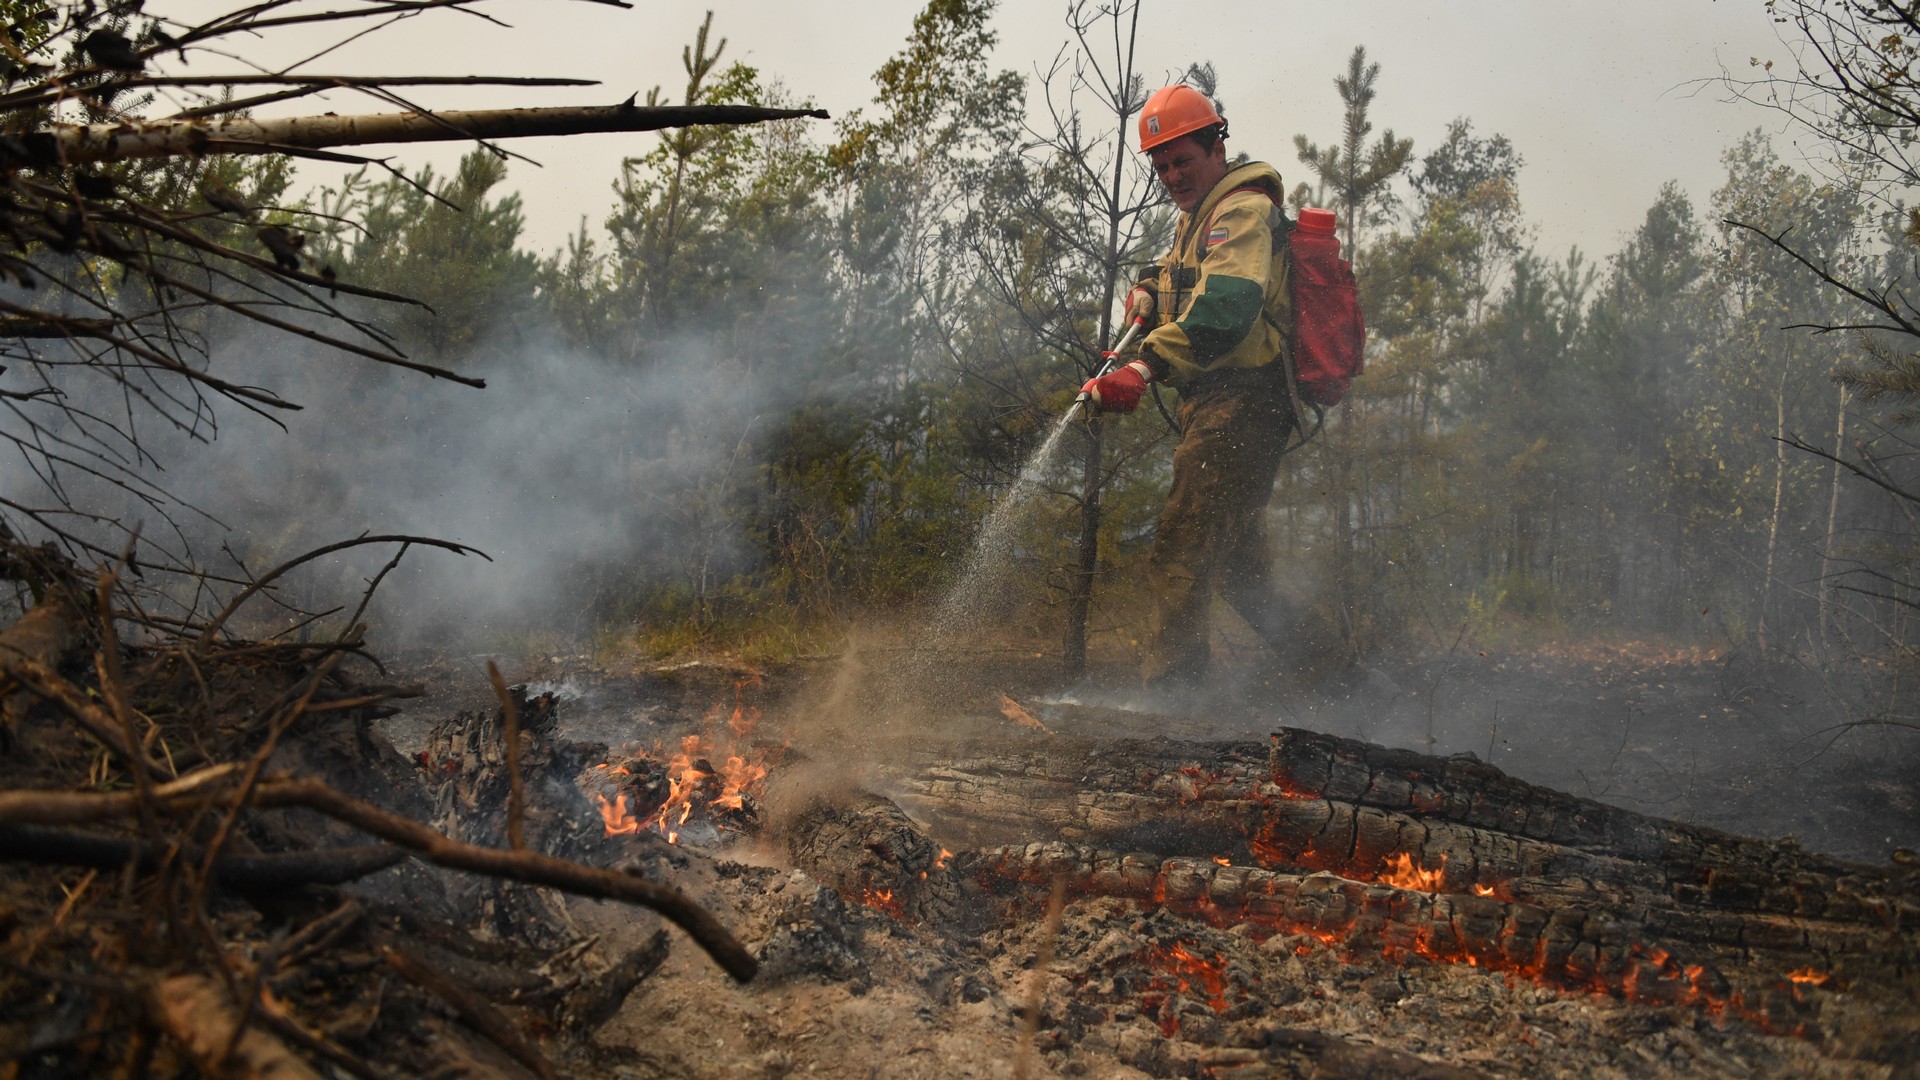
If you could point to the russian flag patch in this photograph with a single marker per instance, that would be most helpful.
(1218, 234)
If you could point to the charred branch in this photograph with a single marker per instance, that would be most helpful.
(473, 1009)
(527, 867)
(595, 1002)
(242, 873)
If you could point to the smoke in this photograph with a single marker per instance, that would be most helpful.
(575, 475)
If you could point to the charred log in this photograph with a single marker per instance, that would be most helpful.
(869, 852)
(1446, 856)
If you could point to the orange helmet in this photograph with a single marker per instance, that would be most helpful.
(1174, 111)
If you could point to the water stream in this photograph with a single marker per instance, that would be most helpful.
(982, 592)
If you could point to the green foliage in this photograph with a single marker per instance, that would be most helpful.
(444, 242)
(1358, 175)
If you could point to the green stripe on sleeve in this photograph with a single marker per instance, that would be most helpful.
(1222, 316)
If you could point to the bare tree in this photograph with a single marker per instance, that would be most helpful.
(1087, 210)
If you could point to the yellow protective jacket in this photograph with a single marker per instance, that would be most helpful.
(1222, 274)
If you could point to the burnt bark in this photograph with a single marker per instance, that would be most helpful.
(869, 852)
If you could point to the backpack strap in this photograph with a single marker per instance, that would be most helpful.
(1283, 249)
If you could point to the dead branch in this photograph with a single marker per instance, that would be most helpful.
(1879, 301)
(213, 625)
(527, 867)
(243, 873)
(43, 681)
(24, 807)
(78, 144)
(478, 1014)
(1875, 477)
(516, 799)
(594, 1003)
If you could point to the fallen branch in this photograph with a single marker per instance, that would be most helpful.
(594, 1003)
(527, 867)
(32, 807)
(42, 680)
(478, 1014)
(243, 873)
(213, 626)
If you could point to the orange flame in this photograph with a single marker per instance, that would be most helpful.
(695, 787)
(1483, 890)
(1806, 976)
(1402, 874)
(615, 815)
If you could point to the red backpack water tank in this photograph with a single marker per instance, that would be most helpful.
(1329, 334)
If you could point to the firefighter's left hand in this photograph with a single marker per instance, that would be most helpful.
(1119, 390)
(1142, 302)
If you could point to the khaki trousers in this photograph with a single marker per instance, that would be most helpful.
(1212, 534)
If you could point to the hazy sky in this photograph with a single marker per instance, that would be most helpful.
(1604, 100)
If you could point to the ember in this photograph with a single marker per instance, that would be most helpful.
(1194, 975)
(883, 900)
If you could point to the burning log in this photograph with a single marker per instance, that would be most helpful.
(1566, 947)
(1449, 856)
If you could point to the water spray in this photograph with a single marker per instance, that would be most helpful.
(1113, 355)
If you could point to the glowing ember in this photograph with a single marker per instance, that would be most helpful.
(1483, 890)
(1402, 874)
(1808, 976)
(941, 862)
(1187, 973)
(883, 900)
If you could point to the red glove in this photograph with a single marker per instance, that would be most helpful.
(1142, 301)
(1119, 390)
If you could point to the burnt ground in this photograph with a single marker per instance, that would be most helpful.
(849, 989)
(1754, 746)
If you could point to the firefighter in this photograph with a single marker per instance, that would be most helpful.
(1217, 306)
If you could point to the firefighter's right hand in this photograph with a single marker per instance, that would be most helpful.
(1119, 390)
(1142, 301)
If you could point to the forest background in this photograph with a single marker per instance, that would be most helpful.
(779, 394)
